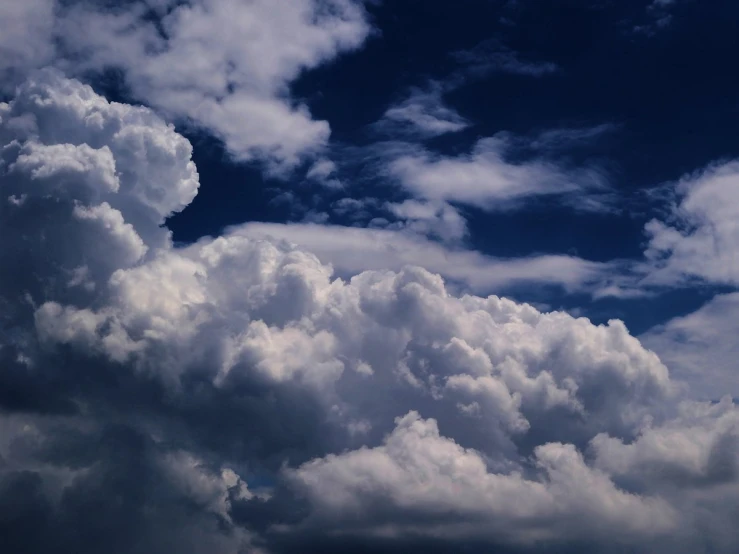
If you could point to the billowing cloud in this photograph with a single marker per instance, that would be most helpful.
(234, 395)
(420, 482)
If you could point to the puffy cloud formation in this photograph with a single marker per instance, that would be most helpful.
(101, 176)
(419, 475)
(222, 65)
(233, 395)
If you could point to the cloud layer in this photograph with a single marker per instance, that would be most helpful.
(234, 395)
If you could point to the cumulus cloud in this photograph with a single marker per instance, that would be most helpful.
(419, 481)
(693, 461)
(234, 395)
(103, 176)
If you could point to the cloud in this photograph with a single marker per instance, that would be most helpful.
(698, 240)
(420, 482)
(324, 171)
(104, 176)
(226, 65)
(700, 348)
(485, 178)
(693, 454)
(658, 16)
(558, 139)
(697, 449)
(26, 38)
(694, 241)
(430, 219)
(353, 250)
(235, 395)
(423, 113)
(490, 56)
(220, 65)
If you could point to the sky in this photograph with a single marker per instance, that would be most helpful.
(369, 276)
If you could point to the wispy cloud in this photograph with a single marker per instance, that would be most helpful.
(658, 16)
(423, 113)
(486, 178)
(351, 250)
(490, 56)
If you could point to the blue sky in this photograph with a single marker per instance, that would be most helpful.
(366, 275)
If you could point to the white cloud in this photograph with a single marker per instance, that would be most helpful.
(166, 377)
(324, 171)
(353, 250)
(225, 65)
(221, 65)
(694, 241)
(421, 474)
(103, 176)
(430, 219)
(699, 239)
(697, 449)
(701, 348)
(485, 178)
(424, 113)
(693, 461)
